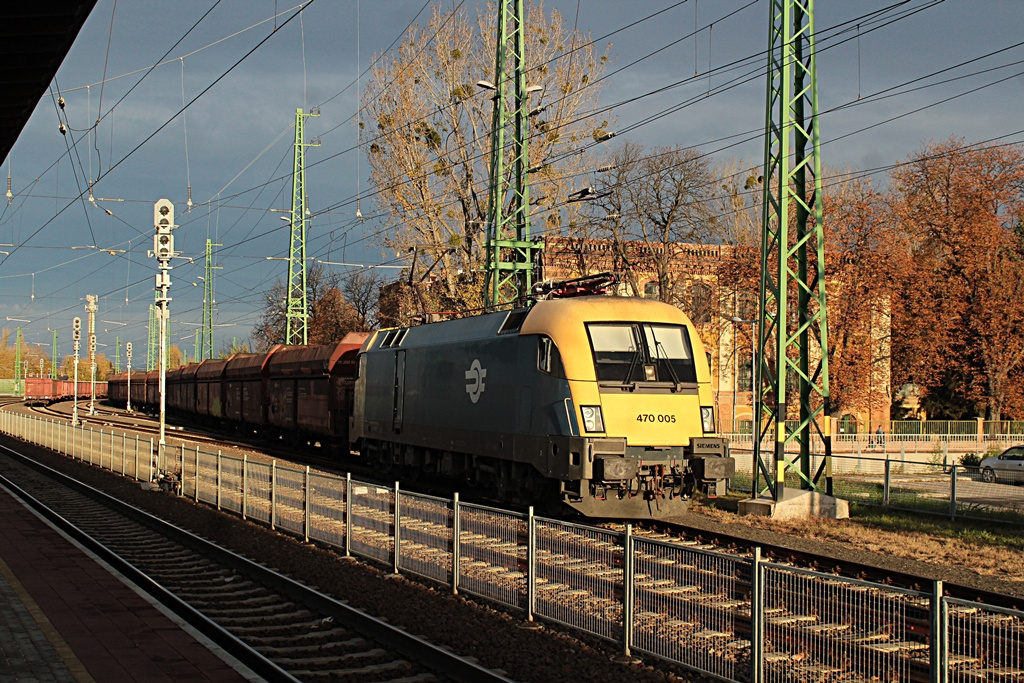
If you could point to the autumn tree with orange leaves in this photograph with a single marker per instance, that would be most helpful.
(958, 321)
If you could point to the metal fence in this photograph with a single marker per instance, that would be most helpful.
(732, 617)
(901, 483)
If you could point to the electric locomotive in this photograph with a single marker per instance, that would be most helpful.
(600, 403)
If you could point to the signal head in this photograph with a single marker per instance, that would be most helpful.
(163, 215)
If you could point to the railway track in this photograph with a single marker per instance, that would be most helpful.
(281, 629)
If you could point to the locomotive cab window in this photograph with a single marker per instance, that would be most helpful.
(642, 352)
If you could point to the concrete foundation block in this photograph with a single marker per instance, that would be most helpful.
(797, 504)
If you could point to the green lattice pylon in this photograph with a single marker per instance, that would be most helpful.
(297, 307)
(204, 347)
(53, 357)
(793, 341)
(508, 249)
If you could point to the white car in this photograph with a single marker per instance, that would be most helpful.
(1007, 467)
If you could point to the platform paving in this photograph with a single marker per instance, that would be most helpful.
(66, 616)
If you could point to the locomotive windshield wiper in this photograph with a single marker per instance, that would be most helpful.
(626, 381)
(661, 353)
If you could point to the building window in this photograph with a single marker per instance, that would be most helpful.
(651, 289)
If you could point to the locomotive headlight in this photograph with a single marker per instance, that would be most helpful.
(707, 418)
(592, 420)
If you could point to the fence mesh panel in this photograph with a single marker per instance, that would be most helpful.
(327, 509)
(208, 477)
(579, 577)
(492, 554)
(231, 484)
(821, 626)
(985, 643)
(426, 536)
(290, 500)
(373, 517)
(257, 494)
(692, 607)
(188, 474)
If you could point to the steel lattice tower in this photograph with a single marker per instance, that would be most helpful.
(297, 311)
(204, 347)
(508, 248)
(790, 340)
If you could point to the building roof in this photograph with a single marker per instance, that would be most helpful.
(35, 37)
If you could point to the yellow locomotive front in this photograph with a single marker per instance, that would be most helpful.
(641, 395)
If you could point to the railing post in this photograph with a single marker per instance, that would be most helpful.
(124, 452)
(136, 457)
(220, 473)
(531, 564)
(939, 636)
(888, 482)
(273, 495)
(245, 484)
(348, 514)
(308, 508)
(952, 494)
(627, 590)
(757, 617)
(456, 543)
(398, 526)
(149, 468)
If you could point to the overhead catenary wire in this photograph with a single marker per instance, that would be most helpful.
(220, 204)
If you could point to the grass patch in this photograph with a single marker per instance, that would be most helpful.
(967, 531)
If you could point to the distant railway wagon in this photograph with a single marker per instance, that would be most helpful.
(245, 385)
(44, 390)
(138, 388)
(209, 388)
(601, 404)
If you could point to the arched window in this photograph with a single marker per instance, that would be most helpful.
(651, 289)
(848, 424)
(701, 304)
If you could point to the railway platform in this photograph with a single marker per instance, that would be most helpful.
(66, 616)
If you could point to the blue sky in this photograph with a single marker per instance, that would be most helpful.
(238, 134)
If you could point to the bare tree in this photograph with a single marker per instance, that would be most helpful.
(331, 314)
(430, 148)
(653, 206)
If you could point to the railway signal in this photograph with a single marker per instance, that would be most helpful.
(76, 335)
(128, 353)
(163, 252)
(90, 308)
